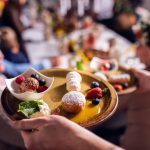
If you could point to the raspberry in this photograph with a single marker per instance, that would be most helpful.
(41, 88)
(118, 87)
(94, 93)
(20, 79)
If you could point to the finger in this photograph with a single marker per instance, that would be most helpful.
(28, 124)
(137, 72)
(26, 138)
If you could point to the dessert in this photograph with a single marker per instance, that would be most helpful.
(34, 109)
(34, 83)
(75, 75)
(104, 65)
(73, 80)
(121, 78)
(73, 85)
(73, 101)
(29, 84)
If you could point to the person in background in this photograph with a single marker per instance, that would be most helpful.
(119, 16)
(11, 18)
(12, 69)
(10, 46)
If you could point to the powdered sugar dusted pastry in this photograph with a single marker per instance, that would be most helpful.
(73, 80)
(121, 78)
(73, 85)
(73, 101)
(74, 75)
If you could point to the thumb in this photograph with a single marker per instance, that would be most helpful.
(138, 72)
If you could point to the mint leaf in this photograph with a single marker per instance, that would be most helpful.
(29, 107)
(105, 90)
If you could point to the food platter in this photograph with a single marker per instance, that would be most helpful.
(125, 81)
(132, 85)
(90, 116)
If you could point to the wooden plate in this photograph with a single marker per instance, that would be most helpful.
(90, 116)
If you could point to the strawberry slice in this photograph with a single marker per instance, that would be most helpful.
(94, 93)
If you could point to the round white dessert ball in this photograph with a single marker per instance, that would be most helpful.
(74, 75)
(73, 85)
(73, 101)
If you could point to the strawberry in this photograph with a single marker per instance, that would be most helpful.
(41, 88)
(94, 93)
(20, 79)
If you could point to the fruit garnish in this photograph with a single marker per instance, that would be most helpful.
(95, 101)
(79, 65)
(103, 68)
(36, 76)
(94, 84)
(105, 90)
(41, 89)
(29, 107)
(20, 79)
(118, 87)
(125, 85)
(42, 82)
(112, 66)
(94, 93)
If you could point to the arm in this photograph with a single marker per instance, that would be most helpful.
(58, 133)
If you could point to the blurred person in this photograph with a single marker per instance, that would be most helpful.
(11, 15)
(10, 46)
(119, 16)
(11, 18)
(51, 130)
(12, 69)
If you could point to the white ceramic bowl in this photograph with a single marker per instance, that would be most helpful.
(96, 62)
(26, 96)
